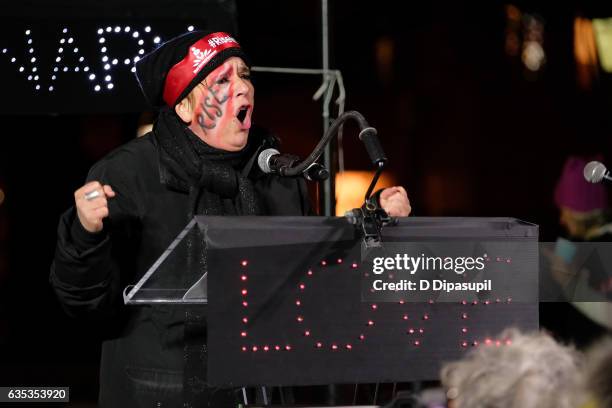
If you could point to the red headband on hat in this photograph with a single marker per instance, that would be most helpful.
(183, 72)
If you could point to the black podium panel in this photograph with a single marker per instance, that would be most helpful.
(285, 304)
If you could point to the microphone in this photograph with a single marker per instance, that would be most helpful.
(595, 172)
(271, 161)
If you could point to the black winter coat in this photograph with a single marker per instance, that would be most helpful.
(142, 354)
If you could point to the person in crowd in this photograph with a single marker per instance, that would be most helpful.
(522, 371)
(197, 160)
(578, 266)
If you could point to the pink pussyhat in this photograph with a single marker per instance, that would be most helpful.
(574, 192)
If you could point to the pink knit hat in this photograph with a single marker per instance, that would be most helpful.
(574, 192)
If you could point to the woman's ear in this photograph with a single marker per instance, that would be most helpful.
(184, 111)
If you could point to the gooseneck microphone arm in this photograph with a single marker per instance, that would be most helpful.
(367, 135)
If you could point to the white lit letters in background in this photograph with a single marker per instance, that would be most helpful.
(69, 58)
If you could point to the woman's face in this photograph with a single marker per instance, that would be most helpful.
(221, 106)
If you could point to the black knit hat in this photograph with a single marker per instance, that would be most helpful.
(169, 73)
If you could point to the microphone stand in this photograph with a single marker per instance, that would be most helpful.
(370, 218)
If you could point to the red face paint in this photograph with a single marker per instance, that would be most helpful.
(219, 100)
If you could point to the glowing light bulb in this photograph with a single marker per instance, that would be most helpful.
(156, 40)
(190, 28)
(100, 31)
(110, 86)
(102, 40)
(147, 29)
(135, 34)
(27, 32)
(107, 67)
(97, 88)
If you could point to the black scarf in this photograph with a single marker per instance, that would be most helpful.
(216, 187)
(209, 174)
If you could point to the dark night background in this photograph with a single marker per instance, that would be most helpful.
(468, 131)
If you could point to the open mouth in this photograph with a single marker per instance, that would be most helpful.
(242, 113)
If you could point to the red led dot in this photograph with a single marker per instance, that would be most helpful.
(475, 302)
(302, 286)
(361, 337)
(405, 317)
(245, 320)
(288, 347)
(498, 343)
(243, 334)
(464, 302)
(374, 307)
(266, 348)
(244, 292)
(323, 263)
(243, 278)
(487, 302)
(307, 333)
(298, 303)
(309, 273)
(464, 315)
(508, 342)
(319, 344)
(244, 348)
(509, 260)
(431, 301)
(334, 347)
(339, 261)
(276, 348)
(370, 322)
(498, 259)
(366, 274)
(475, 343)
(509, 300)
(421, 331)
(410, 331)
(299, 319)
(349, 347)
(497, 300)
(255, 348)
(464, 330)
(417, 343)
(401, 302)
(354, 265)
(464, 344)
(488, 342)
(245, 304)
(426, 317)
(244, 263)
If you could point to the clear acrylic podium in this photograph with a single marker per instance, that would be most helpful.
(290, 301)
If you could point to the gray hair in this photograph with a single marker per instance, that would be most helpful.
(526, 371)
